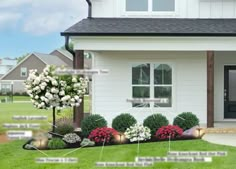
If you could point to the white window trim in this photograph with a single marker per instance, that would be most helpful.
(149, 13)
(152, 85)
(21, 72)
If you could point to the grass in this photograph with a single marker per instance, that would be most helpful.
(7, 110)
(17, 98)
(27, 98)
(13, 156)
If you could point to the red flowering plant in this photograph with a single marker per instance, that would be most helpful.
(169, 131)
(101, 135)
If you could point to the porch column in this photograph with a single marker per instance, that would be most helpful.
(210, 89)
(78, 63)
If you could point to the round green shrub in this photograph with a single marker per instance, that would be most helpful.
(92, 122)
(64, 126)
(155, 121)
(186, 120)
(56, 143)
(123, 121)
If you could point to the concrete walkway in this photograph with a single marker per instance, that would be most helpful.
(223, 139)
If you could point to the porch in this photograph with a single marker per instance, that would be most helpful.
(214, 87)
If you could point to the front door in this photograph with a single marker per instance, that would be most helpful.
(230, 92)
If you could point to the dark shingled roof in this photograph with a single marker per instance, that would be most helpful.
(152, 27)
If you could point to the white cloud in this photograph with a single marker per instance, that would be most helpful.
(41, 17)
(45, 17)
(8, 19)
(13, 3)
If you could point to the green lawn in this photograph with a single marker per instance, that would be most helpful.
(13, 156)
(7, 110)
(27, 98)
(17, 98)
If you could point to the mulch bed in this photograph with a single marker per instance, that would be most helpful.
(3, 139)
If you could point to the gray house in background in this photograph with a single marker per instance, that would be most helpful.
(14, 79)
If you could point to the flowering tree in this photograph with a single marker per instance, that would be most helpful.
(48, 90)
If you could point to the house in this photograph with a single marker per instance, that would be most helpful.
(182, 52)
(6, 64)
(14, 79)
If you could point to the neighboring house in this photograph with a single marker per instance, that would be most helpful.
(15, 78)
(6, 64)
(182, 52)
(61, 53)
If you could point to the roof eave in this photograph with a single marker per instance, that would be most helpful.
(146, 34)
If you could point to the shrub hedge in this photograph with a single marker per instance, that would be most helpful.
(92, 122)
(155, 121)
(186, 120)
(123, 121)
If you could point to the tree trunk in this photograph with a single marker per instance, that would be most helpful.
(54, 119)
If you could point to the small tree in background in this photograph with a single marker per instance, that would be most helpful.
(48, 90)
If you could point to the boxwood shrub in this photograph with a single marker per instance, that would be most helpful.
(154, 122)
(92, 122)
(123, 121)
(56, 143)
(186, 120)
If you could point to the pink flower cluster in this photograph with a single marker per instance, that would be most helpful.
(169, 131)
(104, 134)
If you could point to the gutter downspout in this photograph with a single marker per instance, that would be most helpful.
(67, 47)
(89, 8)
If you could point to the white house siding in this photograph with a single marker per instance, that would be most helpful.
(18, 85)
(221, 59)
(184, 9)
(111, 91)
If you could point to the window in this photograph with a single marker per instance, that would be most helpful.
(150, 5)
(141, 83)
(23, 72)
(5, 88)
(152, 81)
(163, 85)
(136, 5)
(163, 5)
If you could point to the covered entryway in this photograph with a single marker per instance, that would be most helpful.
(225, 87)
(230, 92)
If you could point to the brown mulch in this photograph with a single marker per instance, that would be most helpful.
(3, 139)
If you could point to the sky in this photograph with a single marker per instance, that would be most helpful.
(28, 26)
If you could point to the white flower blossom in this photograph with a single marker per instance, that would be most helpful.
(36, 81)
(54, 83)
(76, 97)
(62, 93)
(71, 138)
(49, 96)
(54, 90)
(48, 90)
(138, 133)
(74, 80)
